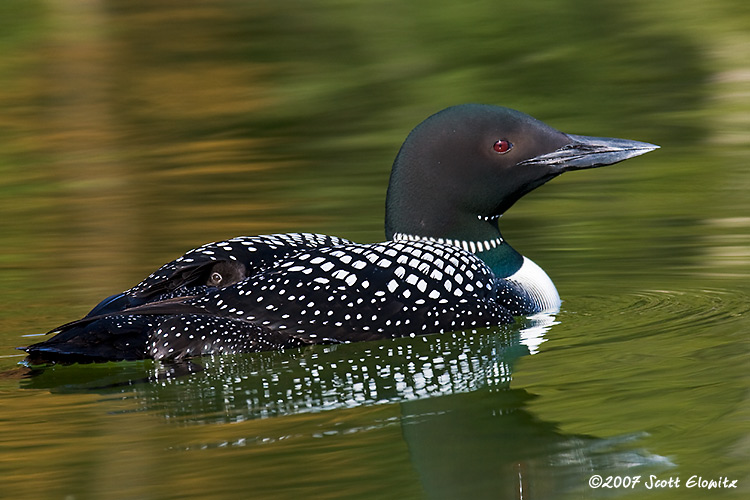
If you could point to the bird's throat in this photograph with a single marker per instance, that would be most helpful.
(503, 259)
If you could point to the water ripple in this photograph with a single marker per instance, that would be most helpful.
(658, 311)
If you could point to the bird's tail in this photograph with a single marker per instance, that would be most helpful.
(107, 338)
(161, 331)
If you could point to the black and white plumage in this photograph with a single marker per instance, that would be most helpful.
(219, 264)
(445, 267)
(297, 295)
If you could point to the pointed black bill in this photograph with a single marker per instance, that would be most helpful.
(591, 152)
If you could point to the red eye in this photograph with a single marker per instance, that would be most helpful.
(502, 146)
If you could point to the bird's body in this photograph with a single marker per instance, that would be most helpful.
(444, 266)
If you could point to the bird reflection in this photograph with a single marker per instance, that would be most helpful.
(468, 432)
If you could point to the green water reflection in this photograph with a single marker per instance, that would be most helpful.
(133, 131)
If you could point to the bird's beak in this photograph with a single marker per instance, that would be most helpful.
(590, 152)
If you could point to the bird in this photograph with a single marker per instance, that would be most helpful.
(444, 265)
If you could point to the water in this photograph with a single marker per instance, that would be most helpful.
(134, 131)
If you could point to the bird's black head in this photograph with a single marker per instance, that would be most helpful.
(467, 164)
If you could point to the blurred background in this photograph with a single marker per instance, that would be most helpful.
(132, 131)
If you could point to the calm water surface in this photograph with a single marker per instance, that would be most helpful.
(133, 131)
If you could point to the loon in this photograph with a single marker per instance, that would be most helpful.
(444, 267)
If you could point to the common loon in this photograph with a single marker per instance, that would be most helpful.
(444, 267)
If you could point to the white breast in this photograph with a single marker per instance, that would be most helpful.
(533, 279)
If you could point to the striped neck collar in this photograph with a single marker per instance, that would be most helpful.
(469, 246)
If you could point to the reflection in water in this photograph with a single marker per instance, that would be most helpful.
(267, 384)
(324, 377)
(467, 445)
(467, 432)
